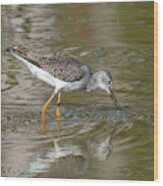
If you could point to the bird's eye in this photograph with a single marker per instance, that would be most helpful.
(109, 82)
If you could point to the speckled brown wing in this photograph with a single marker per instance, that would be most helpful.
(64, 68)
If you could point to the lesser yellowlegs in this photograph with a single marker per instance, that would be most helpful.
(64, 74)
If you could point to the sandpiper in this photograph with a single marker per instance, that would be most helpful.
(64, 74)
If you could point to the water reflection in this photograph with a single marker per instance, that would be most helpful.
(71, 155)
(95, 141)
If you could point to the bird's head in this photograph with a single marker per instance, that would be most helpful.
(103, 80)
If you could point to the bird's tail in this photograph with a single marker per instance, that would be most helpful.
(15, 49)
(23, 56)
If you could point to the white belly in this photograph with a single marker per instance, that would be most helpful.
(71, 86)
(42, 75)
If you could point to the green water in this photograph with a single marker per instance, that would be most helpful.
(94, 140)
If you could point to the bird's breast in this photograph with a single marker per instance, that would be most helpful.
(72, 86)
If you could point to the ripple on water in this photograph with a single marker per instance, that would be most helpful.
(57, 145)
(94, 140)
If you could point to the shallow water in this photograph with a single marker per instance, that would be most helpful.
(92, 140)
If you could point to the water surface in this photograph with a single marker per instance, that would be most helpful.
(94, 140)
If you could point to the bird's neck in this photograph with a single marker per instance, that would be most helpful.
(93, 83)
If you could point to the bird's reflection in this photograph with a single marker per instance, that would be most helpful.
(101, 149)
(71, 155)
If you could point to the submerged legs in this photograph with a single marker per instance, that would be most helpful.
(58, 112)
(44, 108)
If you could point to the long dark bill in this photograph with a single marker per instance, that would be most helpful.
(115, 101)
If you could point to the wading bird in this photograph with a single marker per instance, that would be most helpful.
(64, 74)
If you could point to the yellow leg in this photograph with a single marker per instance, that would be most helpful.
(44, 108)
(58, 112)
